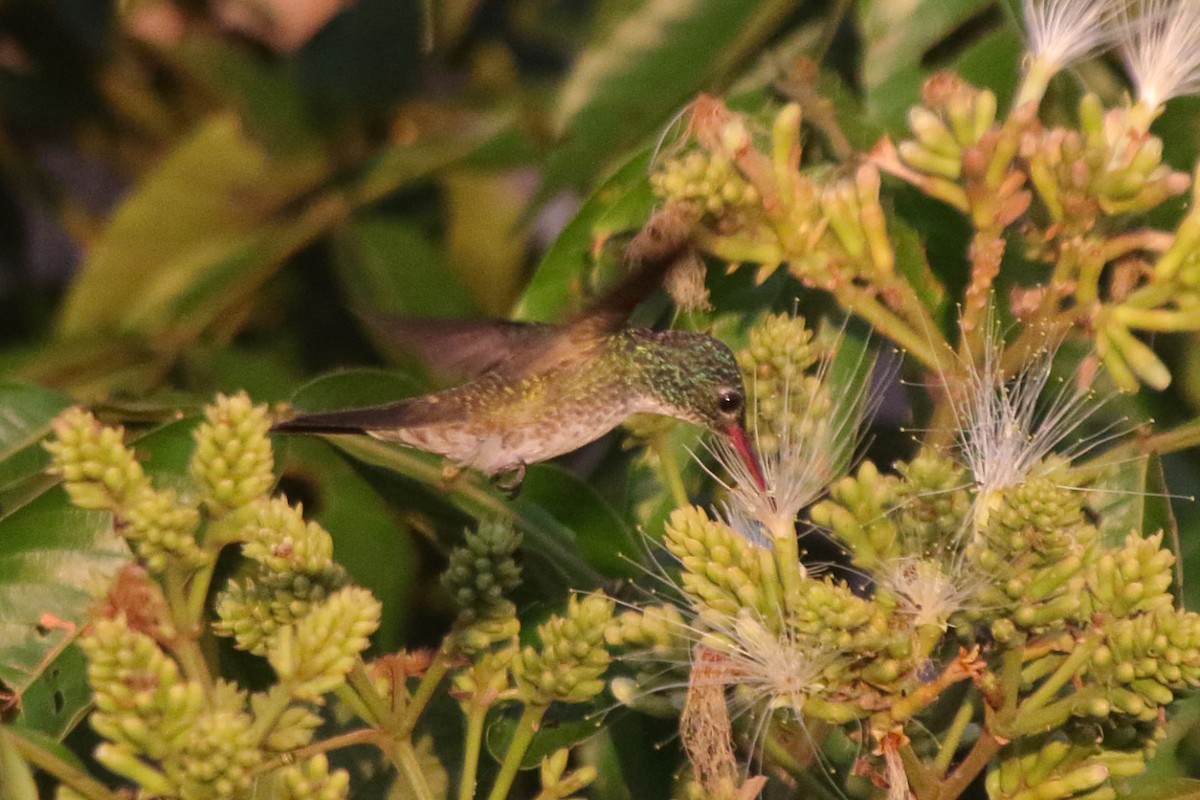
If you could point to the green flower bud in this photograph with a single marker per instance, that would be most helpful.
(142, 701)
(655, 626)
(232, 464)
(253, 609)
(482, 571)
(1136, 578)
(827, 613)
(217, 757)
(485, 632)
(856, 511)
(312, 656)
(721, 569)
(783, 395)
(276, 535)
(568, 666)
(557, 784)
(311, 779)
(931, 504)
(293, 729)
(98, 470)
(162, 530)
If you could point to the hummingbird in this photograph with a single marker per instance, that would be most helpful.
(540, 390)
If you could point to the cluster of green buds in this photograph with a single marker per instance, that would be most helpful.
(995, 579)
(100, 472)
(707, 182)
(168, 725)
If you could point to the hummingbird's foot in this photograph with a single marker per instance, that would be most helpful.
(451, 471)
(509, 480)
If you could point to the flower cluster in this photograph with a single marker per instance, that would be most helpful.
(977, 565)
(167, 724)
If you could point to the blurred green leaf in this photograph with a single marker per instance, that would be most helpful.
(390, 264)
(896, 38)
(25, 414)
(1170, 789)
(16, 778)
(644, 65)
(210, 200)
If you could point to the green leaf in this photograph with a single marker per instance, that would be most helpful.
(552, 736)
(603, 537)
(390, 264)
(25, 414)
(16, 778)
(896, 38)
(54, 559)
(642, 66)
(1132, 497)
(208, 202)
(1168, 789)
(622, 203)
(368, 539)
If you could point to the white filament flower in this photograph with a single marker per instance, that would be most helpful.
(928, 592)
(1062, 32)
(810, 448)
(1008, 427)
(1160, 43)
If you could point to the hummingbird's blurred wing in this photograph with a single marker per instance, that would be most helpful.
(659, 246)
(460, 348)
(511, 350)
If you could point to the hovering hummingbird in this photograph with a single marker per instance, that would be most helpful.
(537, 390)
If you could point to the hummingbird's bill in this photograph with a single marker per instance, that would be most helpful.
(741, 445)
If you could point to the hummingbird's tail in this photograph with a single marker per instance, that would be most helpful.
(354, 420)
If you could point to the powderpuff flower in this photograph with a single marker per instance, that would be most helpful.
(1061, 32)
(1159, 41)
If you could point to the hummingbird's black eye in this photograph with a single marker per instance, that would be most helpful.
(729, 402)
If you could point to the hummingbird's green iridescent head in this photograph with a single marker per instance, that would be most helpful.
(694, 377)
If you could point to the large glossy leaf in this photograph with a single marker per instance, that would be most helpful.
(645, 64)
(54, 559)
(622, 203)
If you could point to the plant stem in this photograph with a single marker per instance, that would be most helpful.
(185, 646)
(669, 468)
(476, 714)
(349, 739)
(198, 590)
(953, 737)
(527, 726)
(1067, 670)
(67, 774)
(364, 689)
(429, 682)
(1181, 437)
(981, 753)
(923, 783)
(405, 759)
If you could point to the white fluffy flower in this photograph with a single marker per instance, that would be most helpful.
(1064, 31)
(1160, 43)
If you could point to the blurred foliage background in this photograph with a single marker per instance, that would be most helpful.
(199, 196)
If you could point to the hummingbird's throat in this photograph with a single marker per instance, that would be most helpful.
(737, 438)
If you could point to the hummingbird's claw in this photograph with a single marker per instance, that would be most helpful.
(451, 471)
(509, 481)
